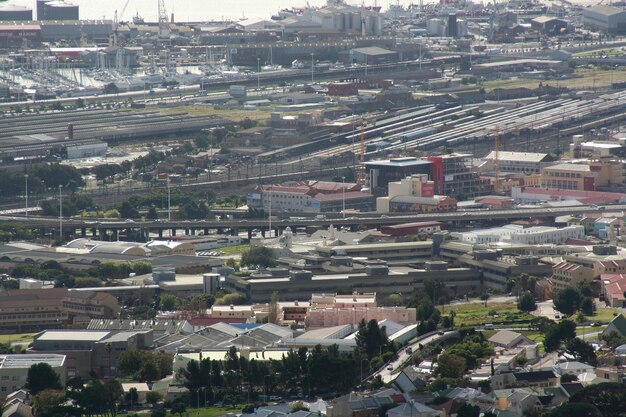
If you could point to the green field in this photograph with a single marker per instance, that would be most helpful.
(476, 314)
(603, 315)
(198, 412)
(22, 338)
(234, 250)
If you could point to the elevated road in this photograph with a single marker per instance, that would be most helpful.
(365, 219)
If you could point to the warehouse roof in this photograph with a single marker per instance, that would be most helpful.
(374, 50)
(605, 10)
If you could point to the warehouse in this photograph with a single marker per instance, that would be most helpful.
(605, 18)
(16, 34)
(15, 13)
(372, 55)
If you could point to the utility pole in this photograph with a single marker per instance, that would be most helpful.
(60, 213)
(26, 193)
(343, 194)
(169, 201)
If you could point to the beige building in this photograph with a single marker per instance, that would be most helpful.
(583, 176)
(14, 370)
(568, 274)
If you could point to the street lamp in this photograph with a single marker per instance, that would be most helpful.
(258, 72)
(343, 195)
(60, 213)
(26, 193)
(312, 67)
(264, 387)
(270, 213)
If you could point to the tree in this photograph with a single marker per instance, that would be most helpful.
(258, 255)
(152, 214)
(47, 400)
(153, 397)
(558, 333)
(298, 406)
(178, 407)
(567, 300)
(609, 398)
(582, 351)
(450, 365)
(169, 302)
(586, 306)
(577, 409)
(527, 303)
(273, 310)
(41, 376)
(371, 338)
(127, 211)
(467, 410)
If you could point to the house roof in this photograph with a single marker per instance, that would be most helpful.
(504, 337)
(619, 322)
(534, 376)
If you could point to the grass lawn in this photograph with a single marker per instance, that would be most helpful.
(476, 314)
(25, 337)
(234, 250)
(603, 314)
(536, 337)
(199, 412)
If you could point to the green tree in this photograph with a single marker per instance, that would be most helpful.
(169, 302)
(450, 365)
(371, 338)
(47, 400)
(178, 407)
(298, 406)
(582, 351)
(558, 333)
(576, 409)
(586, 306)
(527, 303)
(567, 300)
(41, 376)
(153, 397)
(467, 410)
(152, 213)
(127, 211)
(609, 398)
(258, 255)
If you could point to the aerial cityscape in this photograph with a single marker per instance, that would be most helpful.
(326, 209)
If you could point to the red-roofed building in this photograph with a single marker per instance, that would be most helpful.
(612, 289)
(495, 202)
(567, 274)
(17, 34)
(310, 197)
(536, 194)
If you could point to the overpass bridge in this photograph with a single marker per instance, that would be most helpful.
(100, 229)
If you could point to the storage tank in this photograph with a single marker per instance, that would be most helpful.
(15, 13)
(60, 10)
(435, 27)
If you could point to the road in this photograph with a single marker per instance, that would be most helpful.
(387, 375)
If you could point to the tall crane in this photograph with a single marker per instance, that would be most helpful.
(164, 29)
(116, 22)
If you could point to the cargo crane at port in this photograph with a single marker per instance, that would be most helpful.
(164, 27)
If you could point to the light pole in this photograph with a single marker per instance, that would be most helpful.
(343, 196)
(312, 68)
(264, 387)
(60, 213)
(258, 72)
(26, 193)
(169, 201)
(269, 218)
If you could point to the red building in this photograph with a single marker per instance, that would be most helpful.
(17, 34)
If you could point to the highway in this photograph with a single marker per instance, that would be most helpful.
(367, 219)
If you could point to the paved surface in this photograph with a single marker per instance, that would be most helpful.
(387, 375)
(545, 309)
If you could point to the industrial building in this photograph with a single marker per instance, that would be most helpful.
(372, 55)
(56, 10)
(17, 33)
(14, 370)
(12, 13)
(605, 18)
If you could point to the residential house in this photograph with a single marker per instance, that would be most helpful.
(509, 339)
(413, 409)
(617, 325)
(519, 400)
(539, 379)
(572, 368)
(18, 410)
(141, 387)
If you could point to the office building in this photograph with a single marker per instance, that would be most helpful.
(14, 370)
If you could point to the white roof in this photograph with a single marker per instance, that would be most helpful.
(26, 361)
(76, 335)
(139, 386)
(517, 156)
